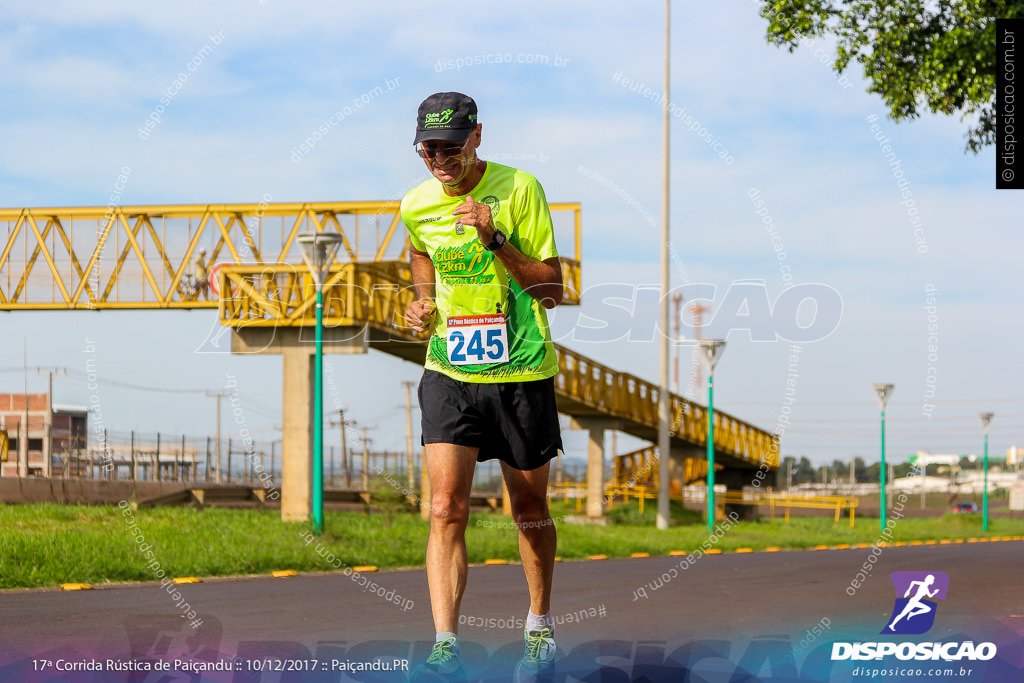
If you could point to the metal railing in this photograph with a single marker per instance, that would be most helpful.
(640, 468)
(786, 501)
(618, 394)
(837, 504)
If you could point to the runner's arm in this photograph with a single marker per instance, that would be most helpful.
(422, 273)
(540, 279)
(421, 309)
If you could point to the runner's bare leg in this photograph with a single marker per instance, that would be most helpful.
(537, 537)
(451, 470)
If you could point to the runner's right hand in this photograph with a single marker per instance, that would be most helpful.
(420, 314)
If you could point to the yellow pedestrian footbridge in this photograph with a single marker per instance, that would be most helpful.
(149, 257)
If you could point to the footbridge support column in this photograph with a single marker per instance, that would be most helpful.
(595, 428)
(735, 480)
(296, 345)
(687, 466)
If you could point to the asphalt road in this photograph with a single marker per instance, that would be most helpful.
(721, 614)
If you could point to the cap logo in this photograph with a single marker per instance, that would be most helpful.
(438, 119)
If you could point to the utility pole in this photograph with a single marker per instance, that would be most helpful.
(853, 474)
(48, 451)
(366, 460)
(345, 461)
(409, 464)
(677, 301)
(698, 311)
(23, 438)
(218, 395)
(789, 475)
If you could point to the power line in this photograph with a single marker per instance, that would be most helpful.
(891, 403)
(893, 420)
(250, 404)
(138, 387)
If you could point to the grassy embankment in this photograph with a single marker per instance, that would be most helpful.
(46, 545)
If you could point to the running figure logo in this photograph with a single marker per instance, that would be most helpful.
(914, 612)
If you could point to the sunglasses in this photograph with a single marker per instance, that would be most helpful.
(429, 151)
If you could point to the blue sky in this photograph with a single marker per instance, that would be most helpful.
(79, 79)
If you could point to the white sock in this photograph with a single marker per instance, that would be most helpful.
(536, 622)
(444, 635)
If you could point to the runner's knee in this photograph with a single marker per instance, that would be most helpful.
(446, 508)
(530, 511)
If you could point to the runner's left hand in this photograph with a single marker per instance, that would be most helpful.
(476, 215)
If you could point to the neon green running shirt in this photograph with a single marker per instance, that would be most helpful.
(472, 286)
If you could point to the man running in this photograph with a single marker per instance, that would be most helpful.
(485, 267)
(915, 606)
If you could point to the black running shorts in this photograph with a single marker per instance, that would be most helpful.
(515, 422)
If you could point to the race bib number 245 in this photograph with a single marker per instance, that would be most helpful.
(477, 339)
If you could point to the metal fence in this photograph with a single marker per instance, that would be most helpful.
(138, 456)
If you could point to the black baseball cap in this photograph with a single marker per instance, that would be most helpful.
(449, 116)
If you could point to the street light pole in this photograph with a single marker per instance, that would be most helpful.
(318, 249)
(711, 351)
(985, 419)
(664, 400)
(883, 392)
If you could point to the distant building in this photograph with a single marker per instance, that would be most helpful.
(51, 437)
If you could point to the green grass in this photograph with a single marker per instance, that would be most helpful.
(50, 544)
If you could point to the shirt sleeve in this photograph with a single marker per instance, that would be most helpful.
(414, 239)
(532, 222)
